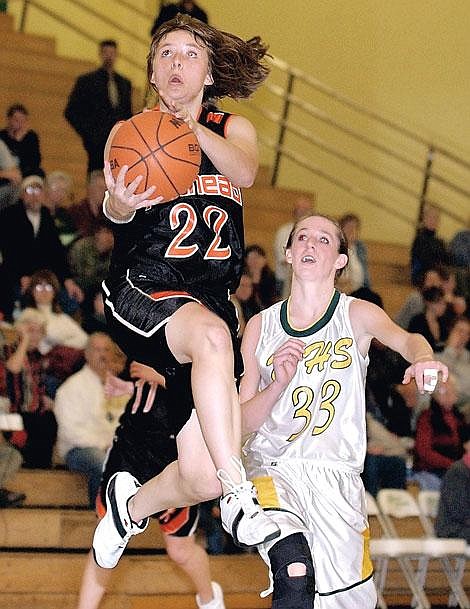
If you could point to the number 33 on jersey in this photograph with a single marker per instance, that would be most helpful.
(321, 414)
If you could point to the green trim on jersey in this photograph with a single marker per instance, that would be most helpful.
(318, 325)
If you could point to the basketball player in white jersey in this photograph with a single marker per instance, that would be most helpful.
(303, 407)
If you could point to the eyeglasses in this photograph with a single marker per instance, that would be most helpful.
(31, 190)
(44, 287)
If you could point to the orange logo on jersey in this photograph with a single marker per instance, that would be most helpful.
(215, 185)
(215, 117)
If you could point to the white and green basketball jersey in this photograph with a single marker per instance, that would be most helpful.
(321, 414)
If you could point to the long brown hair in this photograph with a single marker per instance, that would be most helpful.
(236, 65)
(43, 276)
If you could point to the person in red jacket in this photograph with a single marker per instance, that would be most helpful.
(437, 441)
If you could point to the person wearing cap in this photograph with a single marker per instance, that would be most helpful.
(29, 241)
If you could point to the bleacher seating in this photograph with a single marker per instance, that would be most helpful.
(53, 531)
(43, 547)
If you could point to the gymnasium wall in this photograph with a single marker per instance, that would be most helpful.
(406, 59)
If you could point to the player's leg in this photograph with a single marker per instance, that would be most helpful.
(191, 480)
(184, 482)
(179, 528)
(292, 572)
(93, 585)
(195, 334)
(194, 561)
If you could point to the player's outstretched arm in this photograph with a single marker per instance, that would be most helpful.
(256, 405)
(371, 321)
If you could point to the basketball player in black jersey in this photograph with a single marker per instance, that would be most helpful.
(144, 444)
(167, 294)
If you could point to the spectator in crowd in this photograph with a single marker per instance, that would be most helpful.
(262, 276)
(87, 214)
(22, 141)
(356, 275)
(453, 514)
(385, 462)
(89, 259)
(61, 329)
(23, 371)
(437, 439)
(428, 250)
(59, 197)
(169, 10)
(459, 247)
(414, 303)
(431, 323)
(456, 304)
(10, 463)
(29, 223)
(98, 100)
(10, 177)
(86, 418)
(244, 301)
(301, 207)
(457, 357)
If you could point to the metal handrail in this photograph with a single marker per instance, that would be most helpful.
(289, 100)
(85, 34)
(347, 101)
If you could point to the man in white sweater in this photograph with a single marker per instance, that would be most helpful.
(86, 418)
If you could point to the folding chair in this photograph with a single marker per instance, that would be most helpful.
(386, 547)
(399, 508)
(452, 564)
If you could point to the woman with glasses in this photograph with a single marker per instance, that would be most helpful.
(62, 329)
(64, 339)
(29, 241)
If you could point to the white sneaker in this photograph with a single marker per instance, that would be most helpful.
(217, 602)
(241, 514)
(116, 528)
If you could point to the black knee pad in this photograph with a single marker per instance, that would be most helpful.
(291, 592)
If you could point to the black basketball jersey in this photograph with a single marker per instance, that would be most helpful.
(195, 242)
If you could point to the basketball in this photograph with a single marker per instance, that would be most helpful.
(159, 147)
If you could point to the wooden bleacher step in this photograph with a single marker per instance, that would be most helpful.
(63, 529)
(52, 487)
(6, 22)
(46, 581)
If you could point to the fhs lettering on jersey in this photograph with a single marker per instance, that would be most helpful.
(318, 354)
(215, 185)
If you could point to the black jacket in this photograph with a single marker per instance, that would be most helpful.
(90, 112)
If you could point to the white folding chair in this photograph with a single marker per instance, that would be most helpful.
(453, 557)
(389, 547)
(398, 506)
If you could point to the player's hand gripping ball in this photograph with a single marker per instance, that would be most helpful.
(161, 148)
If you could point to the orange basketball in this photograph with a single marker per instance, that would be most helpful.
(159, 147)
